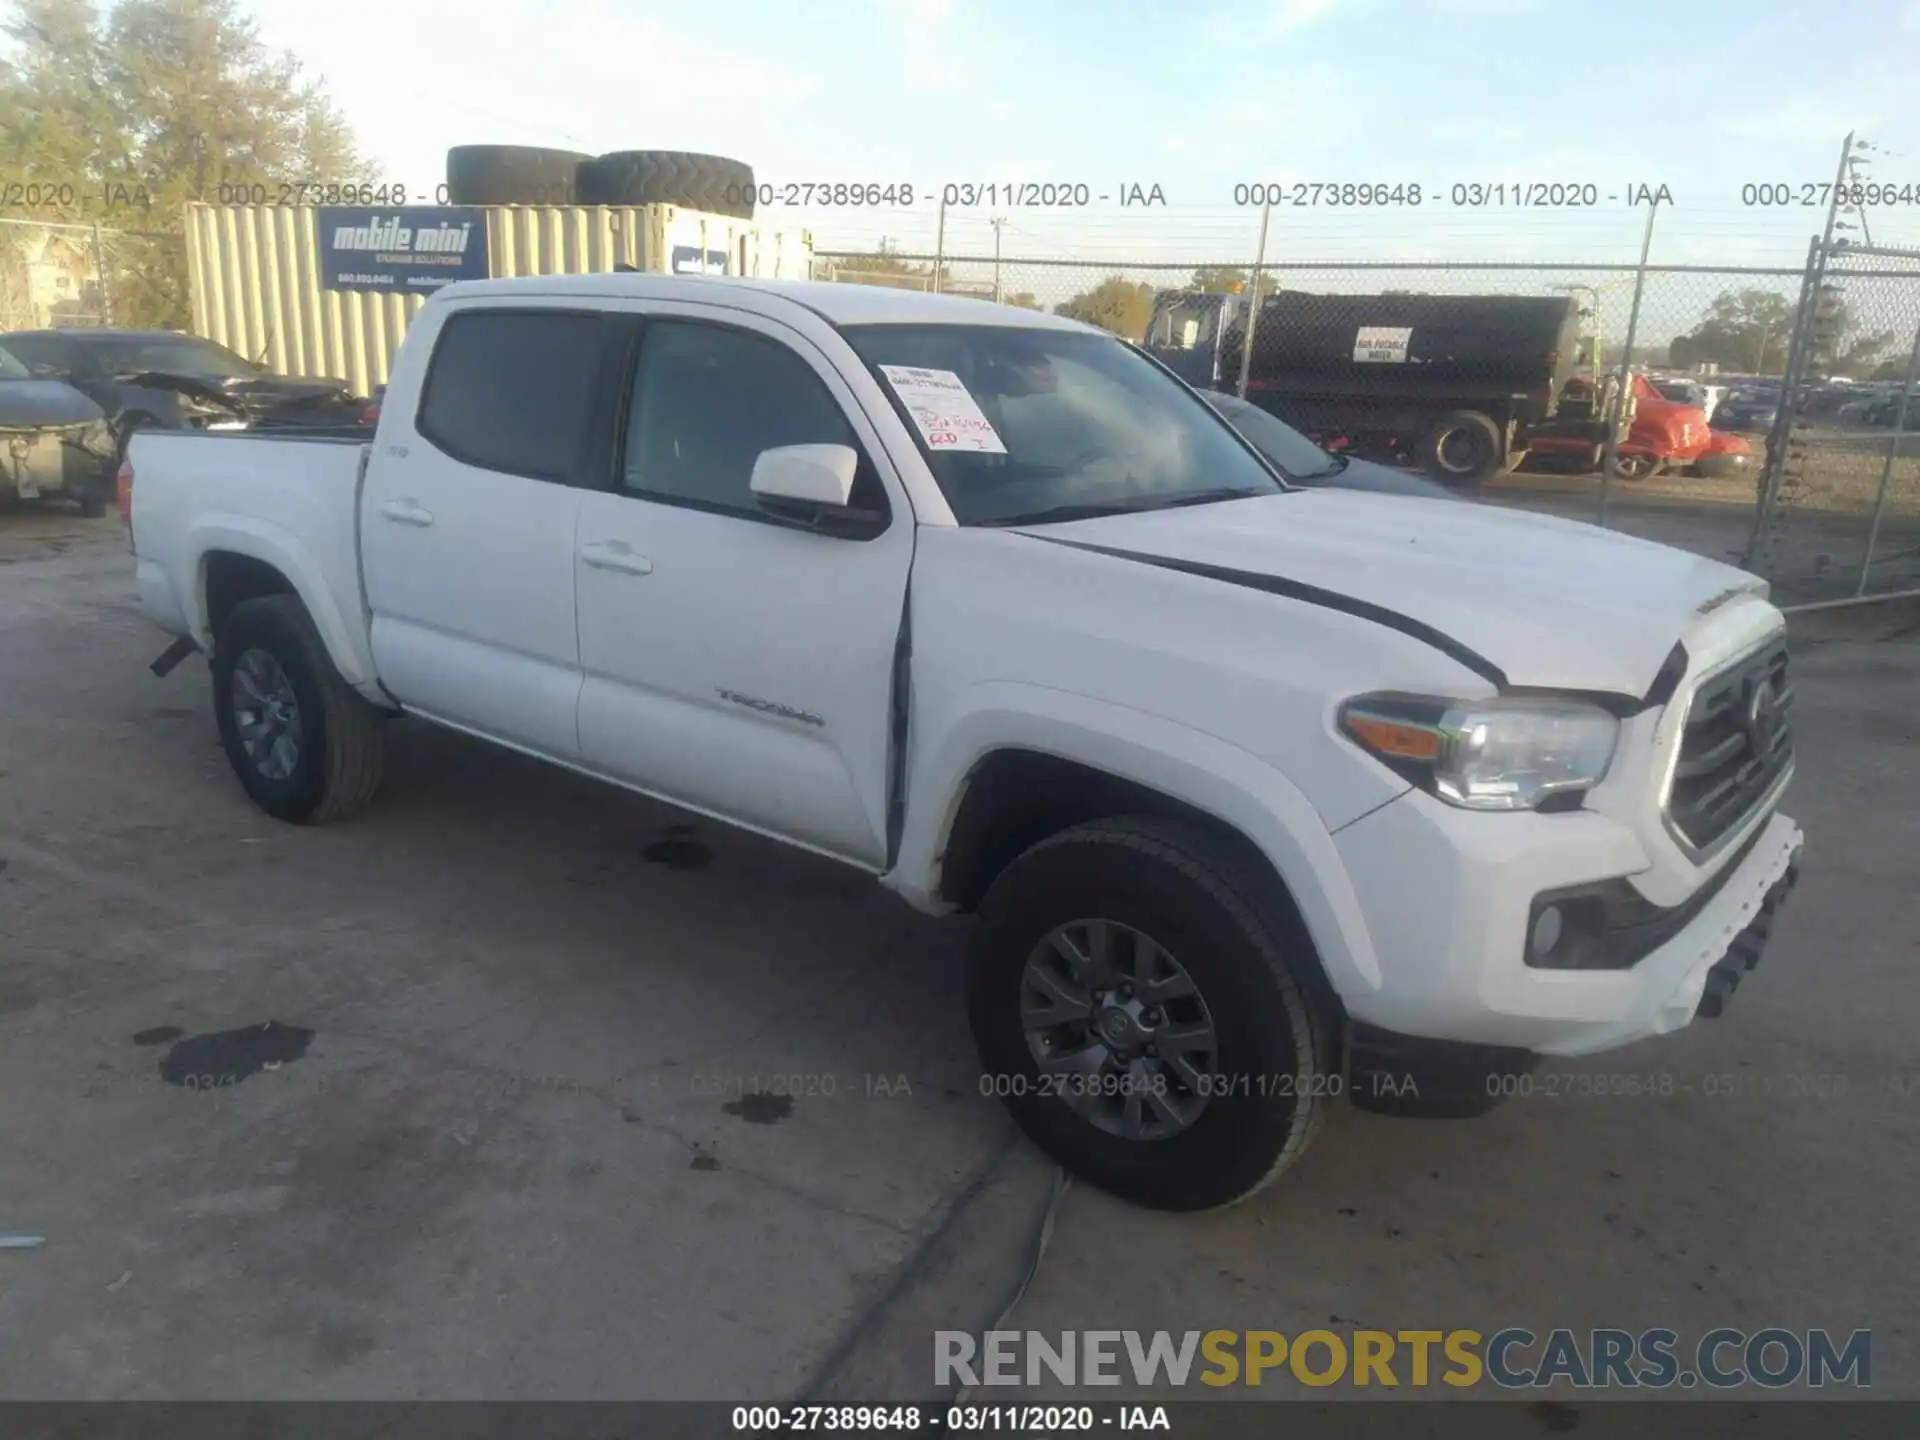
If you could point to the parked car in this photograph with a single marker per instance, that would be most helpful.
(1661, 434)
(166, 380)
(1685, 390)
(1304, 463)
(1259, 794)
(1458, 382)
(53, 441)
(1748, 411)
(1884, 409)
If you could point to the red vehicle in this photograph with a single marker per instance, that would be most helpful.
(1661, 434)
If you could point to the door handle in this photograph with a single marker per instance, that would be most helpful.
(407, 512)
(615, 555)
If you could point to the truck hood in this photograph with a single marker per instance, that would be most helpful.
(256, 396)
(1528, 600)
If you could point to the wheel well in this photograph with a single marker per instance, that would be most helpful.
(231, 579)
(1016, 798)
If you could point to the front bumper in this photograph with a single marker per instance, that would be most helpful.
(50, 462)
(1447, 895)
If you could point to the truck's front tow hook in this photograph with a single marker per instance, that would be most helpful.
(173, 655)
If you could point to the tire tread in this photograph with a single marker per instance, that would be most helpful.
(1250, 901)
(355, 746)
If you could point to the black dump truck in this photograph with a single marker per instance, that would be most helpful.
(1457, 382)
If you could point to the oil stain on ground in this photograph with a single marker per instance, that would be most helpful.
(226, 1057)
(679, 849)
(158, 1035)
(757, 1107)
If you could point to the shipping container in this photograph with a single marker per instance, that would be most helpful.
(254, 273)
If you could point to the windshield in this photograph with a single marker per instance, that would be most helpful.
(180, 354)
(12, 369)
(1079, 424)
(1291, 452)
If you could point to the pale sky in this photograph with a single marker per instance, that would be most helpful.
(1702, 96)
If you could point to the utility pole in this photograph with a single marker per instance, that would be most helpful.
(1617, 412)
(100, 276)
(997, 222)
(939, 243)
(1253, 303)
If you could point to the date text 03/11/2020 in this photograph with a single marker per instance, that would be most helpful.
(957, 1419)
(1471, 195)
(1018, 195)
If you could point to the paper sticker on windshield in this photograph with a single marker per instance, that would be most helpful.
(1382, 342)
(943, 409)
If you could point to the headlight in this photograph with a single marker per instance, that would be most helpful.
(1508, 754)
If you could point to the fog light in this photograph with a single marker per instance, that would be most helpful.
(1548, 926)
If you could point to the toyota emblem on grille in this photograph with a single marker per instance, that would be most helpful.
(1763, 714)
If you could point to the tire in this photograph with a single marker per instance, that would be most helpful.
(1637, 466)
(1463, 448)
(669, 177)
(512, 175)
(337, 749)
(1249, 963)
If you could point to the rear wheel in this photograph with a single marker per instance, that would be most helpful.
(1463, 447)
(305, 746)
(1140, 1006)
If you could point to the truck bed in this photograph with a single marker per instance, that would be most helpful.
(288, 500)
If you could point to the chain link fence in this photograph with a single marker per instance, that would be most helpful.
(1702, 337)
(55, 275)
(1839, 506)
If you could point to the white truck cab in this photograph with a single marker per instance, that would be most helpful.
(1261, 795)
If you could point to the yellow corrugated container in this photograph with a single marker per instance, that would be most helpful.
(254, 273)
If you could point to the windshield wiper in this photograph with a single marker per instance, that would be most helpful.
(1206, 497)
(1085, 511)
(1338, 463)
(1091, 510)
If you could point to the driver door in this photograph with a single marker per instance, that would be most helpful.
(736, 664)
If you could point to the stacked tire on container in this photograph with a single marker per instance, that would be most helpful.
(529, 175)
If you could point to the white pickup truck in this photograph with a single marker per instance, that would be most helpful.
(1259, 795)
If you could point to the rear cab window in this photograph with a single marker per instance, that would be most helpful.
(516, 391)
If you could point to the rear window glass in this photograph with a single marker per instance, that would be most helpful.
(509, 390)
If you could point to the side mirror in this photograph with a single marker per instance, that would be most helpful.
(815, 476)
(812, 485)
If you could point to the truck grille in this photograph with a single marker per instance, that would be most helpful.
(1737, 744)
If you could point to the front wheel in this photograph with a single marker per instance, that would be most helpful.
(1636, 465)
(305, 746)
(1140, 1005)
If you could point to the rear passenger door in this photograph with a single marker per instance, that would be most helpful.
(735, 662)
(468, 516)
